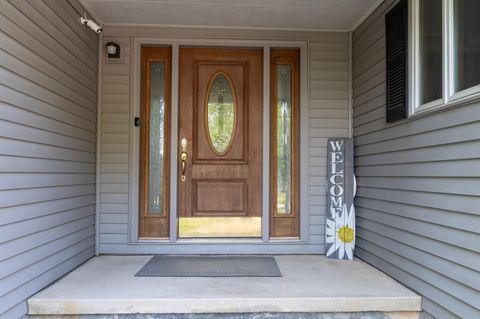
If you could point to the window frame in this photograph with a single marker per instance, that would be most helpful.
(449, 97)
(284, 226)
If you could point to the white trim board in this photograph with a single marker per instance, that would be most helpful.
(176, 43)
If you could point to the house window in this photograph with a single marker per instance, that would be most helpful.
(466, 44)
(430, 51)
(444, 44)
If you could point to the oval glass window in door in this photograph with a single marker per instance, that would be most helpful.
(221, 113)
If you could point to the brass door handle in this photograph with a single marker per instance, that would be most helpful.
(184, 157)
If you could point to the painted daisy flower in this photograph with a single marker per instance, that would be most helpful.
(340, 232)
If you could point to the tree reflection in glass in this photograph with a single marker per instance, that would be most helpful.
(220, 114)
(284, 139)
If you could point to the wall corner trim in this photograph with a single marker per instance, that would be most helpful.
(365, 16)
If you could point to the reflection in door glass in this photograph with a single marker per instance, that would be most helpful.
(220, 114)
(284, 139)
(156, 139)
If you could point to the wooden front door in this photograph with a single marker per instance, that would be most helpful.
(220, 132)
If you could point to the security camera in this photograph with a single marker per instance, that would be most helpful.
(91, 24)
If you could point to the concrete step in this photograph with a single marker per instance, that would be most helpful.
(269, 315)
(311, 287)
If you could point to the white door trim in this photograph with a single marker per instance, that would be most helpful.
(176, 43)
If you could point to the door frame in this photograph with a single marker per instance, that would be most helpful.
(135, 82)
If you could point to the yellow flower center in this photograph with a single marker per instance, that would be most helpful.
(346, 234)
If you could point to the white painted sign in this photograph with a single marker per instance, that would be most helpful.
(340, 187)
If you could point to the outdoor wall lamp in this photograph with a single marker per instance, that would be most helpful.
(113, 50)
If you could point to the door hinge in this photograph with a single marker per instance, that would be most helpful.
(136, 121)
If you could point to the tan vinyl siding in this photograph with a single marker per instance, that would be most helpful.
(48, 81)
(328, 109)
(418, 199)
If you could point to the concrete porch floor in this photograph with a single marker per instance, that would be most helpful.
(310, 284)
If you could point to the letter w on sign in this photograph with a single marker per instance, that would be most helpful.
(340, 214)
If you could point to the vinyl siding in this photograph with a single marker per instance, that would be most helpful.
(48, 83)
(328, 110)
(418, 199)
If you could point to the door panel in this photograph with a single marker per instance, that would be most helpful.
(220, 116)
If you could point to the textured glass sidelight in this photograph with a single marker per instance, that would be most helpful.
(284, 139)
(220, 114)
(156, 139)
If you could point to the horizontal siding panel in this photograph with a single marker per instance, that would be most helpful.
(323, 114)
(112, 218)
(113, 238)
(26, 180)
(14, 81)
(26, 149)
(17, 311)
(470, 187)
(42, 16)
(35, 210)
(114, 178)
(21, 52)
(23, 165)
(452, 303)
(341, 105)
(460, 134)
(464, 168)
(459, 274)
(46, 52)
(114, 208)
(449, 152)
(463, 257)
(329, 85)
(365, 108)
(459, 238)
(330, 75)
(33, 195)
(23, 69)
(442, 217)
(23, 117)
(25, 291)
(23, 276)
(114, 188)
(418, 187)
(467, 114)
(457, 203)
(20, 245)
(28, 258)
(22, 19)
(373, 114)
(48, 84)
(114, 228)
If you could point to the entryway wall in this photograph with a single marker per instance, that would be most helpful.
(328, 116)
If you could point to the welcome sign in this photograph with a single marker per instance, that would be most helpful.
(340, 187)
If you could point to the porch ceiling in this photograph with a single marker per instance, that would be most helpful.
(334, 15)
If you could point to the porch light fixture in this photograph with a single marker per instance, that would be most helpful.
(91, 24)
(113, 50)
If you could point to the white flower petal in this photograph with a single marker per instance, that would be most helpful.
(349, 252)
(331, 250)
(341, 251)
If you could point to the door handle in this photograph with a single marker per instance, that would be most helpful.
(184, 158)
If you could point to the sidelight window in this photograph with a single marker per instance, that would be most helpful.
(284, 115)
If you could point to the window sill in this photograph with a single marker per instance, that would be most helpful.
(421, 112)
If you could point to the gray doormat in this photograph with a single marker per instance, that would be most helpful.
(210, 266)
